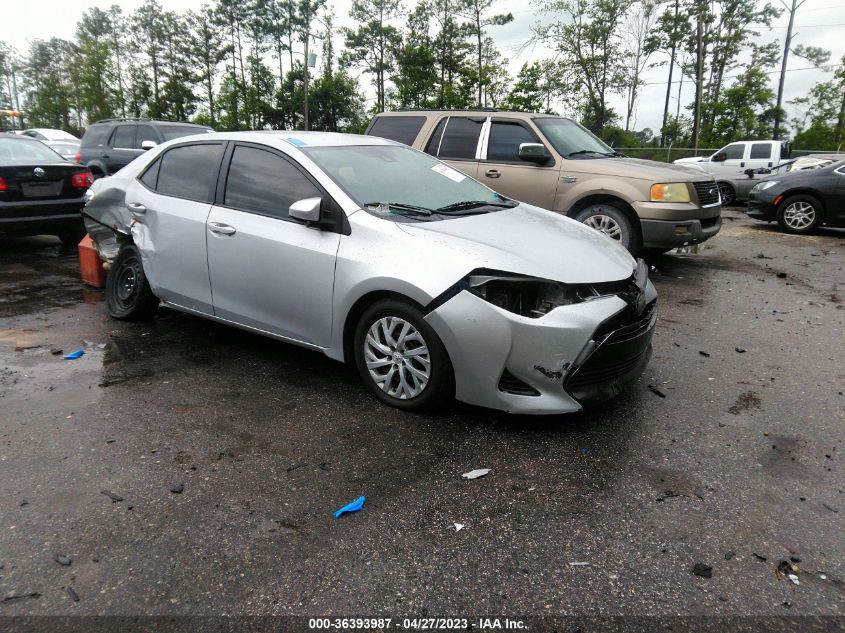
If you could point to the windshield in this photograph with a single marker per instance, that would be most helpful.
(572, 140)
(21, 152)
(400, 181)
(169, 132)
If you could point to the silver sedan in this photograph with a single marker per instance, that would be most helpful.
(376, 254)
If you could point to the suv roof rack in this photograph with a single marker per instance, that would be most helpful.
(140, 118)
(446, 110)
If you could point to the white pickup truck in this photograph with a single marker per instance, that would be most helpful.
(731, 162)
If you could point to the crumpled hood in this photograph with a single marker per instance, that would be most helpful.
(531, 241)
(635, 168)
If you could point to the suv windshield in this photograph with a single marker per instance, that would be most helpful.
(169, 132)
(389, 179)
(572, 140)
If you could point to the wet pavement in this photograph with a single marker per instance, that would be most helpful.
(739, 467)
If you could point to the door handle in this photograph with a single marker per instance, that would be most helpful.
(135, 207)
(742, 164)
(221, 229)
(492, 173)
(106, 156)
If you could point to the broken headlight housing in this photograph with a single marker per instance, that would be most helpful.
(528, 296)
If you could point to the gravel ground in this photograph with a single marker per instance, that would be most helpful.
(738, 467)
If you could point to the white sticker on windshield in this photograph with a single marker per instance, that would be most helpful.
(450, 173)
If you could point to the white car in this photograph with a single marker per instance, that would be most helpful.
(379, 255)
(64, 143)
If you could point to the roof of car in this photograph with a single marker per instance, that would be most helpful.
(507, 114)
(301, 139)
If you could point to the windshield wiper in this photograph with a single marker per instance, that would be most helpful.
(581, 152)
(405, 209)
(468, 205)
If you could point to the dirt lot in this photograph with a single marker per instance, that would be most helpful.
(739, 466)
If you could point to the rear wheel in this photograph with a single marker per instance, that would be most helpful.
(727, 193)
(800, 214)
(612, 221)
(400, 357)
(128, 293)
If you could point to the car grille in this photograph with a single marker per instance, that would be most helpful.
(707, 192)
(621, 356)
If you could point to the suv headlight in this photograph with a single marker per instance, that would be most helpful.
(762, 186)
(670, 192)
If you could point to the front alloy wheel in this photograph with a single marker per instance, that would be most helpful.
(604, 224)
(799, 214)
(612, 221)
(400, 357)
(397, 358)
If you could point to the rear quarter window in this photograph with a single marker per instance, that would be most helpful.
(95, 136)
(403, 129)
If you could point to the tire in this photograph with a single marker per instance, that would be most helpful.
(71, 237)
(727, 193)
(800, 214)
(613, 222)
(377, 340)
(128, 293)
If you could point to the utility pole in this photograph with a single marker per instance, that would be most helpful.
(699, 73)
(305, 83)
(786, 45)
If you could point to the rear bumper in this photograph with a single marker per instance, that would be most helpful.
(40, 216)
(670, 234)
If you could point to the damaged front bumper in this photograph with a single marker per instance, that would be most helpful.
(574, 356)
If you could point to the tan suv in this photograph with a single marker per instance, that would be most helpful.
(554, 163)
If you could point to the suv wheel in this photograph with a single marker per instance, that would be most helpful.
(400, 357)
(799, 214)
(128, 293)
(612, 221)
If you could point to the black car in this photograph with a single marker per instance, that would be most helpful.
(111, 144)
(40, 192)
(801, 200)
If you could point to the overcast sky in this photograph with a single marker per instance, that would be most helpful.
(818, 23)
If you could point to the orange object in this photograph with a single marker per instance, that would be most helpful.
(90, 264)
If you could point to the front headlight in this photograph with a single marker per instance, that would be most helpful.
(670, 192)
(762, 186)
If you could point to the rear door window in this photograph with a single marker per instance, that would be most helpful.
(263, 182)
(460, 138)
(403, 129)
(760, 150)
(145, 133)
(123, 137)
(189, 171)
(505, 139)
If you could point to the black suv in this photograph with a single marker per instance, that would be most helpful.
(111, 144)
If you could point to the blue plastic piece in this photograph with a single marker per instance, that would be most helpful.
(356, 505)
(295, 141)
(74, 355)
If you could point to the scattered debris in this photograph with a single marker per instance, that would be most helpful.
(705, 571)
(475, 474)
(740, 350)
(72, 594)
(584, 451)
(177, 488)
(789, 570)
(459, 527)
(57, 352)
(15, 597)
(705, 354)
(729, 555)
(356, 505)
(579, 564)
(781, 275)
(115, 498)
(23, 503)
(831, 508)
(745, 401)
(759, 557)
(62, 560)
(656, 391)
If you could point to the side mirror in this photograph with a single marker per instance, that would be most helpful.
(145, 145)
(534, 153)
(719, 157)
(307, 209)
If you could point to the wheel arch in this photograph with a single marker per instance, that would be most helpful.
(606, 198)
